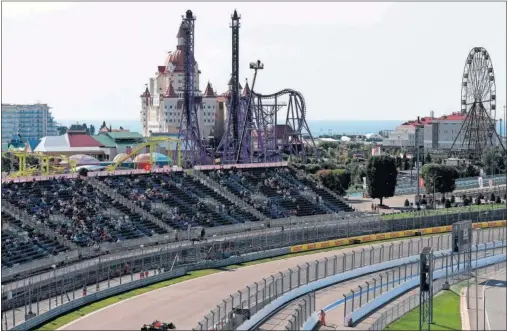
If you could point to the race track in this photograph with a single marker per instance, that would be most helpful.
(186, 303)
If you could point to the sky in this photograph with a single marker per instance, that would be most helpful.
(389, 61)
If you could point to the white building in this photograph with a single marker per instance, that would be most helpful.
(436, 133)
(31, 122)
(162, 100)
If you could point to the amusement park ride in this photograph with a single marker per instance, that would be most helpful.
(248, 116)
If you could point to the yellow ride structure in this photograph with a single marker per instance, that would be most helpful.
(152, 144)
(45, 167)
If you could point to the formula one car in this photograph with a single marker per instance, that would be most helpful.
(158, 326)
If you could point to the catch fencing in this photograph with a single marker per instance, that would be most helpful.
(395, 311)
(305, 307)
(258, 295)
(394, 277)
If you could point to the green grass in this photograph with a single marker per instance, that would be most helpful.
(74, 315)
(446, 314)
(452, 210)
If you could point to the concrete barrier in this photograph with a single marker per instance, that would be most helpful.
(268, 310)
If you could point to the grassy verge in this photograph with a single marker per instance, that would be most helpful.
(453, 210)
(74, 315)
(446, 314)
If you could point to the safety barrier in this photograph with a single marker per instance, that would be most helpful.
(383, 299)
(387, 235)
(305, 308)
(316, 285)
(32, 323)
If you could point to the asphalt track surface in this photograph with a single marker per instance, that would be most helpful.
(186, 303)
(496, 302)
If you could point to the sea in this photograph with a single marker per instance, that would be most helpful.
(317, 127)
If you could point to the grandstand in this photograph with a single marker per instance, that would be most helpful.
(87, 212)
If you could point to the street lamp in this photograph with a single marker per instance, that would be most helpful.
(434, 182)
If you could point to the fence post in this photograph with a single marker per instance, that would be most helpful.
(360, 296)
(325, 267)
(344, 309)
(299, 276)
(282, 277)
(307, 272)
(353, 266)
(317, 270)
(371, 255)
(353, 298)
(249, 292)
(391, 251)
(367, 292)
(335, 264)
(290, 279)
(374, 288)
(362, 257)
(381, 284)
(381, 252)
(400, 249)
(256, 295)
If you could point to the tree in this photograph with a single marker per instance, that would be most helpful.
(471, 171)
(493, 161)
(443, 176)
(337, 180)
(381, 174)
(91, 130)
(427, 159)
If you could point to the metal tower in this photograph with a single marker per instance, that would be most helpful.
(236, 105)
(426, 288)
(194, 151)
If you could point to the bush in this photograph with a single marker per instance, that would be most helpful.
(83, 172)
(424, 202)
(453, 199)
(442, 200)
(466, 202)
(478, 201)
(407, 203)
(498, 199)
(447, 203)
(492, 197)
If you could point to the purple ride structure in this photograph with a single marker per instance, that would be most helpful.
(254, 131)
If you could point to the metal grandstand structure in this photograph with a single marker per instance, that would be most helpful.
(478, 103)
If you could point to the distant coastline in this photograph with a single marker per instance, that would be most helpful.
(317, 127)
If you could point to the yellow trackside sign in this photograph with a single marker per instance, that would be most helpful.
(387, 235)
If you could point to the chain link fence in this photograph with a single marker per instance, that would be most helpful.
(305, 307)
(396, 311)
(258, 295)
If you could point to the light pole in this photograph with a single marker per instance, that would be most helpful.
(434, 182)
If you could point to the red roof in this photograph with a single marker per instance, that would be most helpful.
(208, 92)
(453, 117)
(161, 69)
(246, 90)
(170, 92)
(83, 140)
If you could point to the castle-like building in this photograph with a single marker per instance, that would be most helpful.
(162, 100)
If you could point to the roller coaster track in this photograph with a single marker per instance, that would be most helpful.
(283, 92)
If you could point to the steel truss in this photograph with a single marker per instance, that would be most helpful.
(194, 148)
(478, 104)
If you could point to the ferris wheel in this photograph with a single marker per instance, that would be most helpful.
(478, 88)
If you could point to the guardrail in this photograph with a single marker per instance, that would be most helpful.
(305, 307)
(268, 310)
(395, 312)
(261, 294)
(438, 274)
(105, 274)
